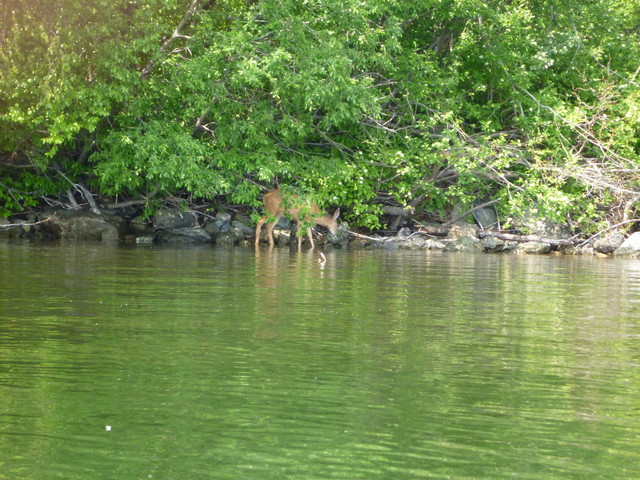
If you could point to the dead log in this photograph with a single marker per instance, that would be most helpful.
(512, 237)
(431, 230)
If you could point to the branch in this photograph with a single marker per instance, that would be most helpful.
(174, 36)
(13, 225)
(131, 203)
(582, 132)
(83, 191)
(526, 238)
(460, 217)
(626, 222)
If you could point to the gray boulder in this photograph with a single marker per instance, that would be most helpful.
(630, 247)
(140, 225)
(492, 244)
(242, 227)
(74, 224)
(608, 243)
(539, 248)
(225, 238)
(431, 244)
(543, 227)
(413, 243)
(171, 219)
(184, 235)
(341, 238)
(463, 238)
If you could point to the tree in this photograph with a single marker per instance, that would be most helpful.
(421, 103)
(68, 66)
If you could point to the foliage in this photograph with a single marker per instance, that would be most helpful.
(360, 104)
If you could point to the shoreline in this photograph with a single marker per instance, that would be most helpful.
(173, 226)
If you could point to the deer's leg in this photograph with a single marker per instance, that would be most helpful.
(310, 233)
(299, 238)
(270, 226)
(258, 227)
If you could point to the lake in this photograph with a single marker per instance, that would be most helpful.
(119, 362)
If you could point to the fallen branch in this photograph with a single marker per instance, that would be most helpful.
(366, 237)
(512, 237)
(128, 203)
(441, 231)
(633, 220)
(10, 225)
(83, 191)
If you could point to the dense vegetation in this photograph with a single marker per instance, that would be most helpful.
(423, 103)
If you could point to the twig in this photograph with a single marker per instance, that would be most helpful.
(359, 235)
(11, 225)
(633, 220)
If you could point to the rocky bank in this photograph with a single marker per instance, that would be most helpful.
(174, 226)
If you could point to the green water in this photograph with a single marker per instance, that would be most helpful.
(210, 363)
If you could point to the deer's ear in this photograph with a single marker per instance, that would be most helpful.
(336, 213)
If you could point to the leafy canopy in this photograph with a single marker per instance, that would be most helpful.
(421, 103)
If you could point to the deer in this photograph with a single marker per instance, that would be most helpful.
(274, 208)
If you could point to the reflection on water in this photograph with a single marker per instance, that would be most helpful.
(196, 363)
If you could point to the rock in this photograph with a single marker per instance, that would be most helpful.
(171, 219)
(145, 240)
(460, 231)
(390, 246)
(492, 244)
(341, 238)
(464, 244)
(74, 224)
(223, 217)
(586, 250)
(282, 236)
(432, 244)
(225, 238)
(360, 243)
(608, 243)
(221, 223)
(184, 235)
(413, 243)
(284, 223)
(630, 247)
(243, 228)
(244, 219)
(239, 233)
(487, 217)
(463, 238)
(543, 227)
(7, 231)
(404, 232)
(577, 250)
(534, 248)
(215, 226)
(139, 225)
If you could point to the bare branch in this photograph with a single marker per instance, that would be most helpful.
(612, 227)
(13, 225)
(174, 36)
